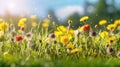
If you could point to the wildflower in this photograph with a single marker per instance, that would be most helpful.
(21, 22)
(76, 50)
(58, 33)
(71, 31)
(34, 24)
(52, 35)
(45, 25)
(70, 21)
(110, 50)
(4, 26)
(102, 22)
(70, 47)
(92, 33)
(29, 35)
(111, 39)
(64, 39)
(84, 19)
(19, 38)
(62, 29)
(111, 26)
(86, 27)
(117, 22)
(23, 26)
(76, 32)
(81, 28)
(104, 34)
(33, 17)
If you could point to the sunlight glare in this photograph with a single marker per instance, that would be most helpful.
(11, 5)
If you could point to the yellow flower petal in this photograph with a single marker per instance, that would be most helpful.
(111, 27)
(104, 34)
(102, 22)
(84, 19)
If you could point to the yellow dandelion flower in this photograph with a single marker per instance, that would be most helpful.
(62, 28)
(23, 26)
(58, 33)
(111, 27)
(71, 31)
(117, 22)
(76, 50)
(23, 20)
(64, 39)
(111, 39)
(34, 24)
(20, 24)
(104, 34)
(70, 47)
(84, 19)
(33, 17)
(81, 28)
(45, 25)
(102, 22)
(4, 26)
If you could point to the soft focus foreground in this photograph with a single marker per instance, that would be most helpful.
(44, 43)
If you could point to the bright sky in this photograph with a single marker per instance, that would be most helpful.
(62, 8)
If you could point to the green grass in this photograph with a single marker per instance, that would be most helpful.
(64, 62)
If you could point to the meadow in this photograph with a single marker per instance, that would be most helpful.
(33, 43)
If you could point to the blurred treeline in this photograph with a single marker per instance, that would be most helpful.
(102, 10)
(96, 11)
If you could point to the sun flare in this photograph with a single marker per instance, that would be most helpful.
(11, 5)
